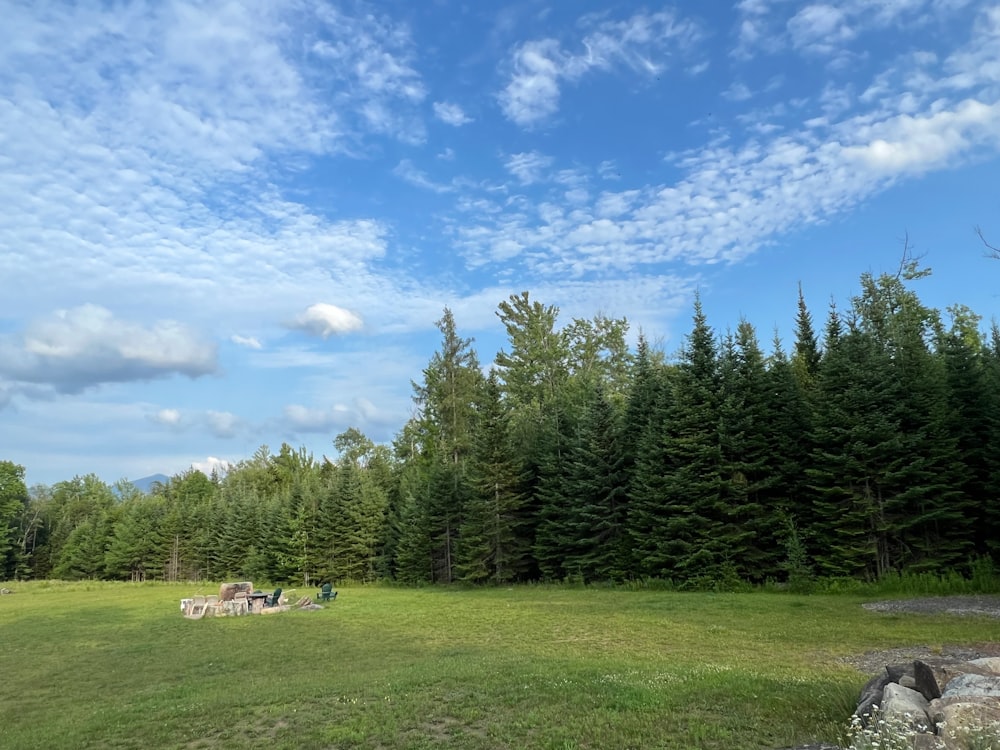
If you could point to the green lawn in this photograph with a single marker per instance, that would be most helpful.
(114, 665)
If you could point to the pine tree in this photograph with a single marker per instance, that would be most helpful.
(788, 428)
(492, 548)
(676, 508)
(973, 403)
(447, 398)
(750, 519)
(597, 519)
(806, 356)
(841, 537)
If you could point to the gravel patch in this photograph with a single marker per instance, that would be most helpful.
(983, 605)
(873, 662)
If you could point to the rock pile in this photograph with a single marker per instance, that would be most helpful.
(936, 706)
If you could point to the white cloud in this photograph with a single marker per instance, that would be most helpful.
(528, 167)
(908, 144)
(820, 28)
(367, 62)
(533, 92)
(642, 43)
(168, 417)
(304, 419)
(141, 166)
(249, 342)
(828, 28)
(608, 170)
(737, 92)
(212, 464)
(451, 114)
(733, 197)
(85, 346)
(324, 320)
(407, 171)
(223, 424)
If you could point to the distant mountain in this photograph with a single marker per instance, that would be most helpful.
(146, 483)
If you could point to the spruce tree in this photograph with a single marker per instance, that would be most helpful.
(492, 546)
(597, 518)
(749, 514)
(677, 509)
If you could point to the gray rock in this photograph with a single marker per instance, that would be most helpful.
(973, 685)
(926, 684)
(906, 707)
(897, 671)
(871, 696)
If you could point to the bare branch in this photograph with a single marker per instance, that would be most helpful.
(909, 263)
(994, 252)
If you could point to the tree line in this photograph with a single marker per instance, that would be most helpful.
(866, 449)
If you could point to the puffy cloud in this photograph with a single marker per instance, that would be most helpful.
(915, 144)
(210, 464)
(223, 424)
(84, 346)
(323, 319)
(168, 417)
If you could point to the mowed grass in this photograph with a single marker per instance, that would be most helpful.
(113, 665)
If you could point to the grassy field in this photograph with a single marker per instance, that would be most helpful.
(114, 665)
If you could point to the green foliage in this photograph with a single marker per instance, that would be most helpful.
(871, 458)
(491, 547)
(13, 502)
(798, 569)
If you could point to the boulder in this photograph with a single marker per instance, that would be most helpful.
(925, 681)
(991, 663)
(961, 719)
(973, 685)
(904, 707)
(925, 717)
(871, 696)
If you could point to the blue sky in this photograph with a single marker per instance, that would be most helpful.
(229, 224)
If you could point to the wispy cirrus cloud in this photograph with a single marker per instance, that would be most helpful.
(529, 166)
(827, 28)
(642, 43)
(250, 342)
(407, 171)
(142, 145)
(451, 114)
(736, 195)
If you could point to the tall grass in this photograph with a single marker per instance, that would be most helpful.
(114, 665)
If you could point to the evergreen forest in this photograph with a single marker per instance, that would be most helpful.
(866, 447)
